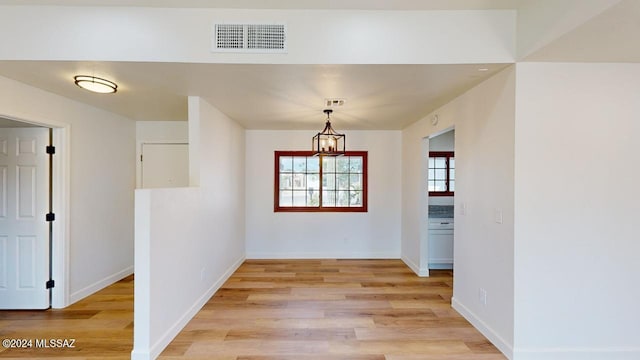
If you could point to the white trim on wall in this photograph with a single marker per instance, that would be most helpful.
(486, 330)
(323, 255)
(576, 354)
(420, 271)
(156, 349)
(99, 285)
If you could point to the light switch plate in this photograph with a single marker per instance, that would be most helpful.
(497, 215)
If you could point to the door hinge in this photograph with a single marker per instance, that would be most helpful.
(51, 217)
(51, 149)
(51, 284)
(140, 158)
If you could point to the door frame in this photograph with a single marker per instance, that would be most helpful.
(424, 200)
(61, 201)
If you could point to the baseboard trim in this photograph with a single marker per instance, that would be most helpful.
(486, 330)
(577, 353)
(422, 272)
(314, 255)
(99, 285)
(166, 338)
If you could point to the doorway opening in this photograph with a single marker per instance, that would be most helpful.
(441, 190)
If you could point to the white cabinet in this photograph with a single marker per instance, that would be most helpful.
(441, 243)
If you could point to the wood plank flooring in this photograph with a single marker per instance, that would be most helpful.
(331, 309)
(101, 325)
(280, 309)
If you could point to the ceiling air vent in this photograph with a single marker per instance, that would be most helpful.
(250, 38)
(334, 102)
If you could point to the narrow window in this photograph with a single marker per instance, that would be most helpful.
(442, 179)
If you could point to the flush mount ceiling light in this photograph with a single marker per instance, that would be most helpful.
(96, 84)
(328, 142)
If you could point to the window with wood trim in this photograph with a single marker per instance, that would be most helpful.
(304, 182)
(442, 166)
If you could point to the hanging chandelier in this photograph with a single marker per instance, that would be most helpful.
(328, 142)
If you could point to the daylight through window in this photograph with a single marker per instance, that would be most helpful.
(304, 182)
(442, 178)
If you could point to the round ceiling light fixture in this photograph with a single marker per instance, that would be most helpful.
(95, 84)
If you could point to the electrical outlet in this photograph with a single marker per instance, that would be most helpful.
(463, 208)
(202, 273)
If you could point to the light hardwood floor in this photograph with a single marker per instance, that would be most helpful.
(279, 309)
(101, 324)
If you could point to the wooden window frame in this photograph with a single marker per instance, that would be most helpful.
(319, 208)
(448, 155)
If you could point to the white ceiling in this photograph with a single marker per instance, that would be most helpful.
(291, 96)
(287, 4)
(266, 96)
(262, 96)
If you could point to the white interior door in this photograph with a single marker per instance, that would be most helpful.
(165, 165)
(24, 240)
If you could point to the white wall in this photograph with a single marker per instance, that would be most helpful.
(540, 22)
(189, 240)
(158, 132)
(483, 250)
(576, 200)
(443, 142)
(101, 184)
(314, 36)
(374, 234)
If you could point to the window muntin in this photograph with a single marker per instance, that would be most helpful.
(304, 182)
(441, 180)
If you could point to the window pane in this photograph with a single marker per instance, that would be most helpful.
(355, 198)
(441, 185)
(286, 198)
(452, 163)
(286, 181)
(299, 198)
(452, 174)
(432, 163)
(299, 164)
(452, 186)
(299, 181)
(313, 181)
(342, 181)
(328, 181)
(441, 163)
(301, 178)
(355, 164)
(441, 174)
(328, 164)
(355, 182)
(432, 174)
(313, 197)
(342, 164)
(328, 198)
(432, 185)
(286, 164)
(343, 198)
(313, 164)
